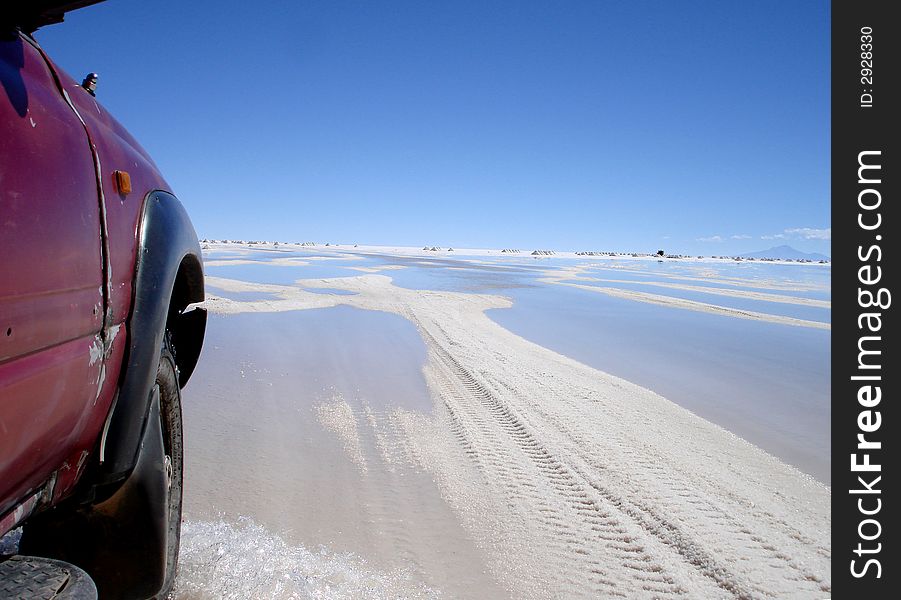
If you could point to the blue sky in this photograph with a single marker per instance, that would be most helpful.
(697, 127)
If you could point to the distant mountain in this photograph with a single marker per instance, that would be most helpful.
(785, 253)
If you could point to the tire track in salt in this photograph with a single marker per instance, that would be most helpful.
(498, 467)
(652, 521)
(570, 491)
(697, 511)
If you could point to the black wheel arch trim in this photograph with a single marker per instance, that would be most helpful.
(168, 279)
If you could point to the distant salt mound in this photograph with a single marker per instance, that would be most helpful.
(511, 251)
(785, 253)
(543, 253)
(244, 560)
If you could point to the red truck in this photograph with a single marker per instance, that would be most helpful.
(100, 269)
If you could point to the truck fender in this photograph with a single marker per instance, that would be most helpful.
(168, 279)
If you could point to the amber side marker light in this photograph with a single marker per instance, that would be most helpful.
(123, 182)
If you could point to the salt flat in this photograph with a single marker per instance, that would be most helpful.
(508, 470)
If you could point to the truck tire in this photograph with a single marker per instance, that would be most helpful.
(173, 447)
